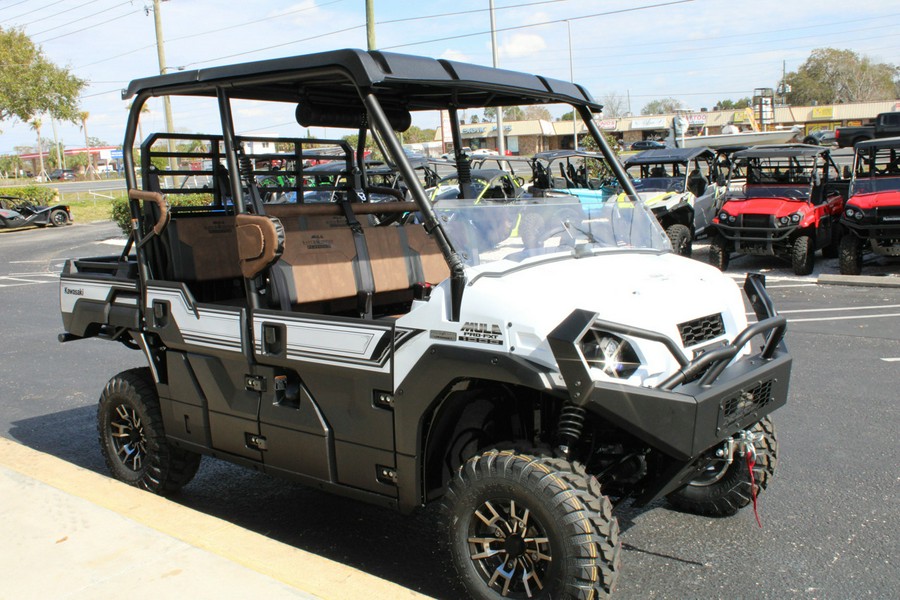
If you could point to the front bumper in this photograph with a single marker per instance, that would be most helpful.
(757, 238)
(705, 402)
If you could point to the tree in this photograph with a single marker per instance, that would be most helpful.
(510, 113)
(416, 135)
(661, 106)
(534, 113)
(83, 115)
(733, 105)
(614, 105)
(831, 76)
(36, 125)
(31, 85)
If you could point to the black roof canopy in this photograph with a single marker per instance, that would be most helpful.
(334, 78)
(893, 142)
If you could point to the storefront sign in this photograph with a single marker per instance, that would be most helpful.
(823, 112)
(650, 123)
(696, 118)
(607, 124)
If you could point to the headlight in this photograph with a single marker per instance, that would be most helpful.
(723, 216)
(854, 213)
(609, 353)
(795, 218)
(784, 220)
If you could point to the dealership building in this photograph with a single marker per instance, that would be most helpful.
(529, 137)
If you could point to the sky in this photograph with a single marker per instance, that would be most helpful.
(697, 51)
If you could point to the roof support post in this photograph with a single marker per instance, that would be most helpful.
(230, 154)
(607, 153)
(457, 271)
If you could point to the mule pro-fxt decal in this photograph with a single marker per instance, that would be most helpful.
(482, 333)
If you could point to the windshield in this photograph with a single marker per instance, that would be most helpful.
(501, 235)
(659, 184)
(876, 170)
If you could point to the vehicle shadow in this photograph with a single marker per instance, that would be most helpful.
(406, 550)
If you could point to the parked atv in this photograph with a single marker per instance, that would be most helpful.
(524, 389)
(16, 213)
(789, 208)
(871, 217)
(682, 188)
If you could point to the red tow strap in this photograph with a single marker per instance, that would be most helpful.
(751, 462)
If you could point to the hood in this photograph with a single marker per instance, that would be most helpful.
(643, 290)
(779, 207)
(890, 198)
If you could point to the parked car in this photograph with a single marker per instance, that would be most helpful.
(16, 213)
(821, 137)
(647, 145)
(886, 124)
(403, 364)
(61, 174)
(789, 208)
(871, 217)
(682, 188)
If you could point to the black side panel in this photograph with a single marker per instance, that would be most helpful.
(233, 410)
(184, 410)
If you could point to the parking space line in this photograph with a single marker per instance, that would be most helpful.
(847, 318)
(891, 359)
(838, 309)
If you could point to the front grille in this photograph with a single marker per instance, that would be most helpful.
(757, 221)
(742, 403)
(701, 330)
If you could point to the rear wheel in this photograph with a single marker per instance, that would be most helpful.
(524, 526)
(851, 254)
(132, 438)
(802, 255)
(722, 488)
(680, 236)
(718, 252)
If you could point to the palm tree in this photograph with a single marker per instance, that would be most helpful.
(90, 168)
(36, 125)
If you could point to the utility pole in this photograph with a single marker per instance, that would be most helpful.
(572, 79)
(370, 25)
(501, 143)
(161, 55)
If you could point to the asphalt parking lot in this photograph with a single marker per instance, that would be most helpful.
(830, 518)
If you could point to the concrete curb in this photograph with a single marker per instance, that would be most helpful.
(860, 280)
(302, 570)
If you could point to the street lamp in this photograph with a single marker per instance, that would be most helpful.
(501, 143)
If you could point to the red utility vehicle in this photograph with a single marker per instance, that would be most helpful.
(872, 215)
(789, 208)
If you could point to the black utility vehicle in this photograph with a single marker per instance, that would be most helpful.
(427, 354)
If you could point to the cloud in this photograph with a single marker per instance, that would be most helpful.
(457, 55)
(520, 45)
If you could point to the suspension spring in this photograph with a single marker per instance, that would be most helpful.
(571, 425)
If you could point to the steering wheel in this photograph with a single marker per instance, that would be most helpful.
(562, 236)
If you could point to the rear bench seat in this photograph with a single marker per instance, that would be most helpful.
(321, 269)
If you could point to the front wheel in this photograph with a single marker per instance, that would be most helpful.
(850, 257)
(724, 488)
(802, 255)
(132, 438)
(718, 252)
(523, 526)
(59, 217)
(680, 236)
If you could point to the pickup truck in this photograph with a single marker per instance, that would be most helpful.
(886, 125)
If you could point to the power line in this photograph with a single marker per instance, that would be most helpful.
(34, 10)
(82, 18)
(62, 12)
(62, 35)
(466, 12)
(591, 16)
(211, 31)
(16, 4)
(315, 37)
